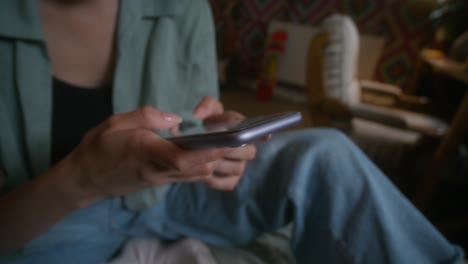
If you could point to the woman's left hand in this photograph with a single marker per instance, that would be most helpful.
(228, 170)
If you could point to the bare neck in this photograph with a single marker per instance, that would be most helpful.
(80, 38)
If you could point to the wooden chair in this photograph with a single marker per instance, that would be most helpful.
(388, 134)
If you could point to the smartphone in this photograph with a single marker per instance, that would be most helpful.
(235, 133)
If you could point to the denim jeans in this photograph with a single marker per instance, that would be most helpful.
(343, 208)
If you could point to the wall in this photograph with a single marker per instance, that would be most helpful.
(402, 23)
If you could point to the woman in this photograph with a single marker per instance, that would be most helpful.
(84, 171)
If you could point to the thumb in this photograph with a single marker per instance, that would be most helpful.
(144, 117)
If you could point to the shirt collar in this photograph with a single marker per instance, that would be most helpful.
(19, 19)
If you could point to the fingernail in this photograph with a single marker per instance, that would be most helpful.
(172, 118)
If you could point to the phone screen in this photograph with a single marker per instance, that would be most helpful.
(214, 127)
(229, 125)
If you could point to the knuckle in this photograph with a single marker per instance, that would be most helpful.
(252, 153)
(217, 153)
(177, 163)
(238, 170)
(209, 155)
(112, 121)
(214, 103)
(206, 169)
(145, 113)
(145, 176)
(212, 183)
(93, 140)
(140, 134)
(135, 140)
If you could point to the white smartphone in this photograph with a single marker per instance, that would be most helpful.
(237, 133)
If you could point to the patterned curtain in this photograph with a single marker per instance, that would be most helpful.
(241, 27)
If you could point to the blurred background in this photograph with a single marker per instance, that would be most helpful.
(391, 74)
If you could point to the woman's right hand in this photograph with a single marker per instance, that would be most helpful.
(122, 155)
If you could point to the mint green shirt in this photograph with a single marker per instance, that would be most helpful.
(165, 58)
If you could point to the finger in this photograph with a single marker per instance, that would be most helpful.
(223, 183)
(174, 131)
(247, 152)
(154, 180)
(226, 117)
(168, 155)
(225, 168)
(192, 179)
(187, 159)
(266, 138)
(154, 174)
(144, 117)
(208, 106)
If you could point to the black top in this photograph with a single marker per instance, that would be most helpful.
(75, 111)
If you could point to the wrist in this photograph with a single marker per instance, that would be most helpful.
(68, 182)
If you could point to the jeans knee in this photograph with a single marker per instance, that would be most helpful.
(330, 136)
(330, 140)
(326, 153)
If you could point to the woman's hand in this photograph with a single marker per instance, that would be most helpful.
(228, 170)
(122, 155)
